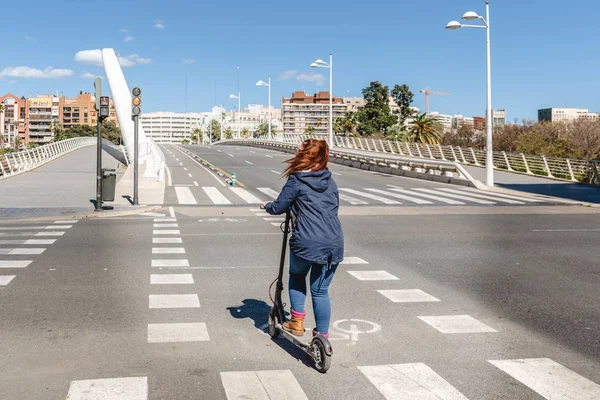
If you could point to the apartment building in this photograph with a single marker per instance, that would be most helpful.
(301, 112)
(40, 112)
(171, 127)
(444, 119)
(250, 119)
(12, 119)
(565, 114)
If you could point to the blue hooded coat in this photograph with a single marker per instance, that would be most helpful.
(317, 234)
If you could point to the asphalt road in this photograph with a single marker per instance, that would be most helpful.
(92, 303)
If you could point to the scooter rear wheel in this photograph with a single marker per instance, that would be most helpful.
(321, 358)
(272, 324)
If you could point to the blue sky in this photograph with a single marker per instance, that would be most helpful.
(545, 53)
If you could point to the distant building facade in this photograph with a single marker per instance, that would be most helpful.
(565, 114)
(170, 127)
(302, 112)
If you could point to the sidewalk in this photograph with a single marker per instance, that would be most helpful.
(151, 190)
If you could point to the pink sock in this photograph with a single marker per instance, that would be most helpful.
(325, 335)
(296, 314)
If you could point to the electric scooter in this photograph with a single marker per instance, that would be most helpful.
(319, 348)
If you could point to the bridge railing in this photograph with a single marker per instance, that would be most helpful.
(549, 167)
(22, 161)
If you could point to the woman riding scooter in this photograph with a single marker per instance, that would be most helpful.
(317, 240)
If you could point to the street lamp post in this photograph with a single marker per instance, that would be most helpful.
(233, 96)
(262, 83)
(323, 64)
(453, 25)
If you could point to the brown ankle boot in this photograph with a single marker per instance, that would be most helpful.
(296, 325)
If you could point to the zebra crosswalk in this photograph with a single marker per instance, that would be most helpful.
(390, 195)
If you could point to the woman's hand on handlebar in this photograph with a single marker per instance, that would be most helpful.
(264, 205)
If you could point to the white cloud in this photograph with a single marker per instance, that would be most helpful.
(123, 30)
(89, 75)
(188, 60)
(159, 25)
(12, 82)
(94, 57)
(287, 75)
(91, 57)
(28, 38)
(33, 73)
(128, 38)
(314, 77)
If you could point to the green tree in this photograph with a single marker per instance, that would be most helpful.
(57, 130)
(184, 141)
(426, 130)
(77, 131)
(110, 131)
(263, 129)
(375, 116)
(403, 97)
(32, 145)
(310, 130)
(346, 124)
(245, 133)
(228, 133)
(215, 128)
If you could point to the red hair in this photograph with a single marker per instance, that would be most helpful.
(312, 155)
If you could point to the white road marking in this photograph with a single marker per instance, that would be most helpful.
(275, 172)
(5, 279)
(428, 196)
(174, 301)
(29, 241)
(407, 296)
(269, 192)
(508, 196)
(410, 381)
(165, 219)
(219, 151)
(215, 196)
(248, 162)
(48, 234)
(73, 221)
(400, 196)
(277, 224)
(335, 173)
(18, 228)
(24, 234)
(190, 175)
(169, 178)
(268, 156)
(171, 279)
(482, 196)
(166, 240)
(134, 388)
(168, 250)
(170, 263)
(172, 212)
(351, 200)
(23, 251)
(15, 264)
(202, 166)
(246, 195)
(180, 163)
(274, 219)
(456, 324)
(165, 226)
(370, 196)
(262, 385)
(176, 158)
(171, 333)
(166, 232)
(196, 183)
(185, 196)
(257, 210)
(565, 230)
(252, 152)
(373, 275)
(230, 155)
(456, 196)
(549, 379)
(353, 260)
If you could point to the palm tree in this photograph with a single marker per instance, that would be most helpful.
(349, 122)
(310, 130)
(426, 129)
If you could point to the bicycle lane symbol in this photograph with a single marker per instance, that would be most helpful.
(349, 329)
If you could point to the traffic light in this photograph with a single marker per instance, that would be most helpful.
(136, 102)
(104, 107)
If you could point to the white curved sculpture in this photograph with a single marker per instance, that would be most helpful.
(150, 154)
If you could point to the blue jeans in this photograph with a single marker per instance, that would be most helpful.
(320, 278)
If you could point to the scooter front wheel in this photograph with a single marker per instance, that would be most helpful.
(272, 324)
(319, 354)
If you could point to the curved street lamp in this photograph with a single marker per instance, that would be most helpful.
(262, 83)
(453, 25)
(322, 64)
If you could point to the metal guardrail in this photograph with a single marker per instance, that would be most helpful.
(542, 166)
(437, 170)
(16, 163)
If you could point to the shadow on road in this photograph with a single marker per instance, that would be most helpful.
(570, 191)
(258, 311)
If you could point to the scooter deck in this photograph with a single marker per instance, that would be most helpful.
(297, 340)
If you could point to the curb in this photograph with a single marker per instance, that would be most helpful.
(94, 215)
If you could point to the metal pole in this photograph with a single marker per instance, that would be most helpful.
(136, 154)
(239, 116)
(489, 160)
(99, 165)
(270, 137)
(330, 101)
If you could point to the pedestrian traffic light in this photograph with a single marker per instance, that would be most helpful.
(104, 107)
(97, 92)
(136, 101)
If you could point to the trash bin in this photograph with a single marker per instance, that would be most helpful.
(109, 182)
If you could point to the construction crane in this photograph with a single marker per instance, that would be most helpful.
(427, 93)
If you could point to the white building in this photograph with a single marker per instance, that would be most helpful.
(459, 120)
(171, 127)
(444, 119)
(250, 119)
(565, 114)
(498, 118)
